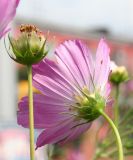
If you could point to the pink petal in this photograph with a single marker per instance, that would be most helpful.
(102, 65)
(45, 114)
(50, 69)
(89, 63)
(60, 133)
(7, 12)
(77, 131)
(77, 54)
(53, 86)
(54, 134)
(107, 90)
(64, 55)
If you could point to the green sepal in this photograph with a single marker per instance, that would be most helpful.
(25, 54)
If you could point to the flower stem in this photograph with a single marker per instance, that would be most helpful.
(31, 113)
(116, 107)
(114, 128)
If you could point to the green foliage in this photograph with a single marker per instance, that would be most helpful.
(108, 148)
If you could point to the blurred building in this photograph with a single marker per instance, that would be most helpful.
(84, 19)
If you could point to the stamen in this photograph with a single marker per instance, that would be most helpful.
(29, 29)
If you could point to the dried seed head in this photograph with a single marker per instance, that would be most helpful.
(29, 47)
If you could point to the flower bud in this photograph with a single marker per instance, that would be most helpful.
(29, 47)
(119, 74)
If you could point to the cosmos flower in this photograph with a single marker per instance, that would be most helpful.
(73, 90)
(7, 12)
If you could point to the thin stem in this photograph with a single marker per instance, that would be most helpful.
(119, 143)
(116, 107)
(31, 113)
(48, 152)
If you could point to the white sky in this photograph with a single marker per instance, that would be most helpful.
(116, 15)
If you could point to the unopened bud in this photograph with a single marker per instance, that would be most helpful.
(118, 74)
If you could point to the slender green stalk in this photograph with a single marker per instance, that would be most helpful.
(49, 152)
(31, 113)
(116, 107)
(119, 143)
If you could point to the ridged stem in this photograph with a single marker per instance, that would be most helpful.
(114, 128)
(31, 113)
(116, 107)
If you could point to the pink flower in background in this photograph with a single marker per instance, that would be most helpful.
(72, 88)
(129, 86)
(7, 12)
(75, 155)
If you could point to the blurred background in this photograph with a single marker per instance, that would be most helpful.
(88, 20)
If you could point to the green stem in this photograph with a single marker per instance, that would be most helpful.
(31, 113)
(48, 152)
(119, 143)
(116, 107)
(123, 135)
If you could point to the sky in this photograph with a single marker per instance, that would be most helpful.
(115, 15)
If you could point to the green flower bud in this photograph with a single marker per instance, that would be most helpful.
(89, 107)
(119, 74)
(29, 47)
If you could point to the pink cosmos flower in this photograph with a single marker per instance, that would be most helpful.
(73, 88)
(7, 12)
